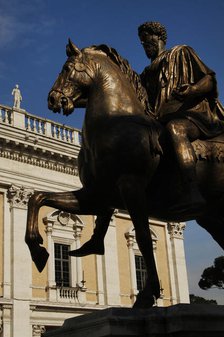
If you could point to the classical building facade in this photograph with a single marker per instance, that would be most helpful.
(38, 154)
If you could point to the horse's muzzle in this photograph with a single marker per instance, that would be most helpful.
(54, 101)
(58, 101)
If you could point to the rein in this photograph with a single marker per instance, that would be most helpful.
(61, 92)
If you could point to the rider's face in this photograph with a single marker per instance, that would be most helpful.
(150, 43)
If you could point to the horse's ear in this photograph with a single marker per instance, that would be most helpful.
(72, 50)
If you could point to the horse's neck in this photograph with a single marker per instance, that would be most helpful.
(112, 93)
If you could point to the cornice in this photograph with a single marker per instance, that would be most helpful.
(36, 155)
(28, 138)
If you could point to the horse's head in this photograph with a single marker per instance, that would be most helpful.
(72, 83)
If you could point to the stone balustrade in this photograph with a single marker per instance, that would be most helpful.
(40, 126)
(68, 292)
(5, 115)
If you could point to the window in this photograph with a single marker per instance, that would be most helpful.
(141, 272)
(62, 265)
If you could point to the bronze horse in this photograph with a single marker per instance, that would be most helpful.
(121, 163)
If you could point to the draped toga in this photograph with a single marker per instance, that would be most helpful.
(172, 69)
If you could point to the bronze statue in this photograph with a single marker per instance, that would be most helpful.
(125, 161)
(182, 94)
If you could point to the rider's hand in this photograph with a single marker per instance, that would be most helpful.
(184, 92)
(206, 85)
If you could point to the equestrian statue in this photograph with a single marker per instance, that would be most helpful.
(152, 144)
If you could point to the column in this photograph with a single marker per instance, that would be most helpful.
(111, 270)
(175, 231)
(130, 243)
(21, 268)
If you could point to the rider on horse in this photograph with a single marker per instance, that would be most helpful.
(182, 92)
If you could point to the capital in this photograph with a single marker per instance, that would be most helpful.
(38, 330)
(18, 196)
(176, 229)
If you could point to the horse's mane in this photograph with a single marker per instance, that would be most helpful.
(125, 67)
(135, 80)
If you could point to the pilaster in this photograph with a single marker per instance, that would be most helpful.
(175, 231)
(112, 282)
(21, 267)
(7, 282)
(6, 330)
(100, 280)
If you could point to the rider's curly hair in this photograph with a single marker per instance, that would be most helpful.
(153, 27)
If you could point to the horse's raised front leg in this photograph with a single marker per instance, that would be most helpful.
(96, 243)
(73, 202)
(133, 193)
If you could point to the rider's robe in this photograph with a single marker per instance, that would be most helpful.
(172, 69)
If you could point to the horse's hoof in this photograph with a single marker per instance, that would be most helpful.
(39, 256)
(90, 247)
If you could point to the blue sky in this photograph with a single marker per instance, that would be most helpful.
(33, 36)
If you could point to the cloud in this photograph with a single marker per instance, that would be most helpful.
(9, 29)
(21, 22)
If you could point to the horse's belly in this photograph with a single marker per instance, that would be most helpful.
(211, 178)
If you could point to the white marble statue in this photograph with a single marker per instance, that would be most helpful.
(17, 97)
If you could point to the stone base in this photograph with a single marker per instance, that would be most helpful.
(181, 320)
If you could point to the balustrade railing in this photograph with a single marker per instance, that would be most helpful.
(38, 125)
(71, 293)
(5, 115)
(35, 124)
(68, 293)
(65, 133)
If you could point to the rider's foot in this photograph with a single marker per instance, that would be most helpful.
(93, 246)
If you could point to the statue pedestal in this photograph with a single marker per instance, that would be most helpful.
(181, 320)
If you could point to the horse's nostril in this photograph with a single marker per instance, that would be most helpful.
(63, 101)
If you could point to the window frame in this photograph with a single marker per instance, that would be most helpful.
(140, 271)
(68, 281)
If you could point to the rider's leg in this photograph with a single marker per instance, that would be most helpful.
(181, 132)
(96, 244)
